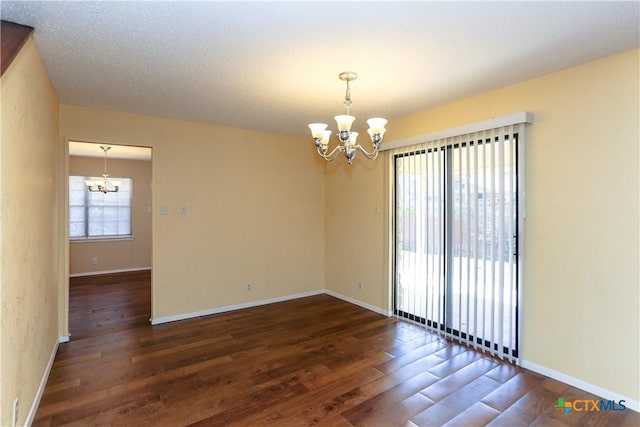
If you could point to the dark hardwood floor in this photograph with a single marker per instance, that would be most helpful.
(108, 303)
(306, 362)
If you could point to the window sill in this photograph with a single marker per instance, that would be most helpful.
(100, 239)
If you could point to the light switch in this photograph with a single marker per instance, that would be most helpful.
(164, 210)
(183, 209)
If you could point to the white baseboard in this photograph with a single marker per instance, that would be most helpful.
(583, 385)
(96, 273)
(43, 382)
(224, 309)
(63, 338)
(359, 303)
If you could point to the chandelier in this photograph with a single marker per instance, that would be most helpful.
(103, 184)
(347, 138)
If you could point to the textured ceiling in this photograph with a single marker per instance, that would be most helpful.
(273, 65)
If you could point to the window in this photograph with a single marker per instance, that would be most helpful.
(96, 214)
(456, 228)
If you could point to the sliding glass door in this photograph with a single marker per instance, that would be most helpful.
(455, 233)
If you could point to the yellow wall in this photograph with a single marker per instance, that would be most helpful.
(581, 293)
(355, 212)
(255, 206)
(120, 254)
(29, 227)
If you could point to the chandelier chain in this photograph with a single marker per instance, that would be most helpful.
(105, 157)
(347, 99)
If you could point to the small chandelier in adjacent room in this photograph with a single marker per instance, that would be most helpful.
(103, 184)
(347, 138)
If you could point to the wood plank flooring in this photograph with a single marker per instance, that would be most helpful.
(108, 303)
(315, 361)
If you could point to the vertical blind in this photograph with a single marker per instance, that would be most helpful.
(456, 223)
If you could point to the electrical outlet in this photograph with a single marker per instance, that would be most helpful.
(14, 417)
(249, 287)
(94, 261)
(360, 286)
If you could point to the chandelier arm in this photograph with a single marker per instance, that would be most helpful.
(333, 154)
(371, 156)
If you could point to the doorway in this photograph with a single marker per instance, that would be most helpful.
(110, 237)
